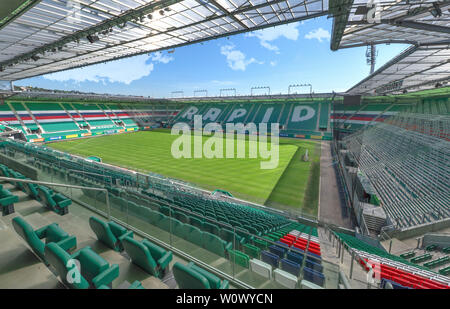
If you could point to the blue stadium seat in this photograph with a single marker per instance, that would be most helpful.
(277, 250)
(290, 267)
(295, 257)
(313, 276)
(270, 258)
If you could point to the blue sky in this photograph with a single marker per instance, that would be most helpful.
(296, 53)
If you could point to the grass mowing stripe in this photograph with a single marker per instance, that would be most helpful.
(151, 151)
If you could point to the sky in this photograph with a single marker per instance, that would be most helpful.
(276, 57)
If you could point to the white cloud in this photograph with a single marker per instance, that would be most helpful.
(159, 57)
(288, 31)
(273, 63)
(318, 34)
(123, 71)
(236, 59)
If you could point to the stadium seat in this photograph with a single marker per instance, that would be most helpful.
(211, 228)
(295, 257)
(313, 276)
(17, 175)
(215, 244)
(181, 216)
(56, 202)
(195, 221)
(94, 270)
(51, 233)
(251, 250)
(109, 233)
(31, 189)
(285, 278)
(7, 200)
(164, 223)
(239, 258)
(260, 243)
(270, 258)
(191, 276)
(136, 285)
(291, 267)
(193, 234)
(278, 251)
(229, 236)
(150, 257)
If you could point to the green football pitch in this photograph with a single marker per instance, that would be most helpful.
(293, 184)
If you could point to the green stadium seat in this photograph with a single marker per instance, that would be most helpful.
(239, 258)
(150, 257)
(56, 202)
(197, 222)
(109, 233)
(193, 234)
(215, 244)
(193, 277)
(31, 189)
(51, 233)
(7, 200)
(211, 228)
(230, 236)
(94, 270)
(252, 251)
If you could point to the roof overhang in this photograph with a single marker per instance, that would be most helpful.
(56, 35)
(417, 68)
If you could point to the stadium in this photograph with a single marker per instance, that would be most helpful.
(93, 196)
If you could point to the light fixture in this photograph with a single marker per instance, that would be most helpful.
(436, 11)
(92, 38)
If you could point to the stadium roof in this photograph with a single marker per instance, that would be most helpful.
(419, 67)
(418, 22)
(53, 35)
(422, 23)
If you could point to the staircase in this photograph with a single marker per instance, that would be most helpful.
(81, 116)
(34, 118)
(24, 127)
(68, 113)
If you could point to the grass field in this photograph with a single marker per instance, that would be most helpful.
(285, 186)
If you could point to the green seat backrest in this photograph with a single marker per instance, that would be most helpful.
(46, 196)
(59, 259)
(164, 223)
(92, 263)
(196, 222)
(27, 233)
(213, 280)
(194, 235)
(260, 243)
(103, 232)
(140, 255)
(54, 233)
(239, 258)
(156, 251)
(211, 228)
(187, 278)
(176, 227)
(214, 244)
(251, 250)
(31, 189)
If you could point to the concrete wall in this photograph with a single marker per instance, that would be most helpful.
(442, 240)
